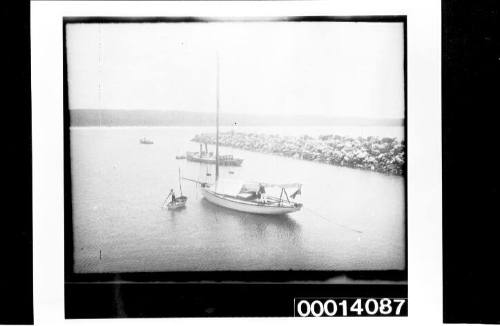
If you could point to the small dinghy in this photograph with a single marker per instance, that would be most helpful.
(177, 203)
(172, 202)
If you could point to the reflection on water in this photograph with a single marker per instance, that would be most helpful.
(176, 211)
(261, 226)
(351, 220)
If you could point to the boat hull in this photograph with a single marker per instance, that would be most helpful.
(178, 203)
(247, 207)
(171, 207)
(208, 160)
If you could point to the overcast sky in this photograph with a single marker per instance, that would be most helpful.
(320, 68)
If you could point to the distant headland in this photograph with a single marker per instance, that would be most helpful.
(94, 117)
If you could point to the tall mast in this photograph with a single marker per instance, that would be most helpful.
(217, 124)
(180, 185)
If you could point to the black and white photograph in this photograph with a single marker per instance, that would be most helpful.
(237, 145)
(203, 145)
(249, 159)
(236, 159)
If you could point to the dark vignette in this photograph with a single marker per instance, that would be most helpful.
(470, 102)
(16, 286)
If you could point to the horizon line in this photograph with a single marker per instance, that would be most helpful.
(244, 113)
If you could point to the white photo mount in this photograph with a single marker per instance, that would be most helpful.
(423, 134)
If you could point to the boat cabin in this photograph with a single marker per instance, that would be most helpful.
(276, 192)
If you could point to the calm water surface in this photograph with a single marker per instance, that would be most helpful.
(351, 219)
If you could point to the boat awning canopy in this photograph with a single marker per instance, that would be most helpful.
(233, 187)
(280, 185)
(254, 186)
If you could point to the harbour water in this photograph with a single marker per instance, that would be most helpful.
(351, 219)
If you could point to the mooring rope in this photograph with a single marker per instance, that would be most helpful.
(328, 220)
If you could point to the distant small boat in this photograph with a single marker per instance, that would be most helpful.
(180, 157)
(146, 141)
(202, 157)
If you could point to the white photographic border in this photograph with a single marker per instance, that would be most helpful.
(423, 137)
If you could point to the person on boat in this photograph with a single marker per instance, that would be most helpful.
(261, 192)
(172, 193)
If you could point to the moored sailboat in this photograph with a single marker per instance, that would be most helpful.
(247, 197)
(253, 201)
